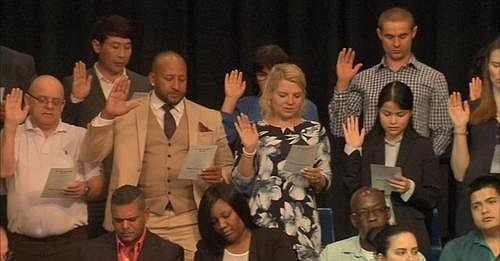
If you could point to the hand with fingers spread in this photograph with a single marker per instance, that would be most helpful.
(117, 103)
(399, 183)
(475, 88)
(14, 113)
(345, 68)
(234, 87)
(212, 175)
(248, 132)
(353, 137)
(81, 81)
(459, 112)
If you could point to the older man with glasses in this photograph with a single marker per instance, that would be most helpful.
(46, 224)
(368, 211)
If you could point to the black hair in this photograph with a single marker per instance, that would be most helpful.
(481, 182)
(112, 25)
(127, 194)
(228, 194)
(379, 237)
(397, 92)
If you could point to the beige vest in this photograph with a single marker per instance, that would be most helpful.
(162, 162)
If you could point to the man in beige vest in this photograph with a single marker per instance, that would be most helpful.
(150, 138)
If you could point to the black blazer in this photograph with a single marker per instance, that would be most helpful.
(418, 163)
(154, 248)
(266, 244)
(16, 69)
(80, 114)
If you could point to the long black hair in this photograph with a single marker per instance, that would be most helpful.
(379, 237)
(397, 92)
(228, 194)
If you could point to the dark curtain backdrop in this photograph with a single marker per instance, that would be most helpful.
(219, 35)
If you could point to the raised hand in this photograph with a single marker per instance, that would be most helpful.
(14, 113)
(459, 111)
(234, 86)
(475, 88)
(345, 69)
(117, 103)
(353, 137)
(248, 132)
(81, 81)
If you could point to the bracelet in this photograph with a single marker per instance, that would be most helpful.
(247, 154)
(460, 133)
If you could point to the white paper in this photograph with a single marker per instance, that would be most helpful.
(299, 157)
(495, 162)
(380, 174)
(58, 179)
(198, 158)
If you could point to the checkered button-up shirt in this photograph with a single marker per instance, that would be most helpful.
(430, 98)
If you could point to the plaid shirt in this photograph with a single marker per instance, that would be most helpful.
(430, 99)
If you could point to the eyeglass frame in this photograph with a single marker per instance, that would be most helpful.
(366, 213)
(46, 100)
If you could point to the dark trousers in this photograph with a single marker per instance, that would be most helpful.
(53, 248)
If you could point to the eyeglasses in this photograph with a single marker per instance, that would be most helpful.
(7, 256)
(46, 100)
(364, 214)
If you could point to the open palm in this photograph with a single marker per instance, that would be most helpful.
(117, 103)
(353, 137)
(247, 131)
(459, 111)
(234, 86)
(14, 114)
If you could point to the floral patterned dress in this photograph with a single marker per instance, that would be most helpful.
(281, 199)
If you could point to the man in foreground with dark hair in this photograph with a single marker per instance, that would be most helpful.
(131, 240)
(482, 243)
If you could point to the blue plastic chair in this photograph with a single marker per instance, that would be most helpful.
(327, 229)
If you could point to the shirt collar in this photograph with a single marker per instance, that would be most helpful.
(28, 125)
(157, 103)
(101, 76)
(394, 142)
(412, 63)
(355, 248)
(138, 245)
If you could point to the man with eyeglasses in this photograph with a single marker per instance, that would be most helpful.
(368, 211)
(45, 227)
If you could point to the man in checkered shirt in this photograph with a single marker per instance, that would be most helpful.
(357, 94)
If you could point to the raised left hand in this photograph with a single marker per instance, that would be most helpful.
(76, 190)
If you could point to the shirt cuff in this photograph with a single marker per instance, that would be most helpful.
(348, 149)
(75, 100)
(406, 196)
(100, 121)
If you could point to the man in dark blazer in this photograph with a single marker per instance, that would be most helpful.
(131, 240)
(87, 90)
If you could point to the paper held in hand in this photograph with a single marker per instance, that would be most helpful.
(495, 162)
(380, 174)
(58, 179)
(198, 158)
(299, 157)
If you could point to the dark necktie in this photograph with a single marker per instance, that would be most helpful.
(168, 122)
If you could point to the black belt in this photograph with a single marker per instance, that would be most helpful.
(69, 234)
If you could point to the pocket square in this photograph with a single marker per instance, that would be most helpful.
(202, 127)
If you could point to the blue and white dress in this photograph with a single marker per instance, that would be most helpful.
(281, 199)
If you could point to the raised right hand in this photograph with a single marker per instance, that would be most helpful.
(248, 132)
(475, 88)
(345, 69)
(81, 82)
(353, 137)
(14, 114)
(459, 111)
(234, 86)
(117, 103)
